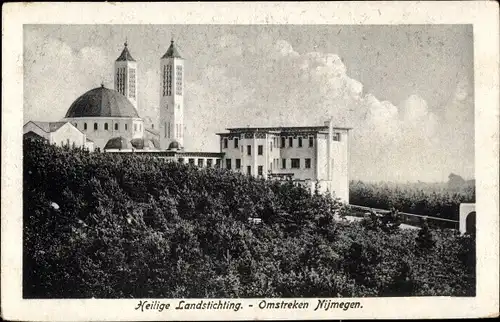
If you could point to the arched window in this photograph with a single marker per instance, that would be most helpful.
(116, 126)
(85, 126)
(95, 126)
(106, 126)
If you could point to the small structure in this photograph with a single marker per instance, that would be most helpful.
(58, 133)
(467, 223)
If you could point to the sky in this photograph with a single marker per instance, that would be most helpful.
(406, 90)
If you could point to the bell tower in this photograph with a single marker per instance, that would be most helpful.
(126, 75)
(171, 121)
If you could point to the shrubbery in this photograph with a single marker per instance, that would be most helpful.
(130, 226)
(438, 200)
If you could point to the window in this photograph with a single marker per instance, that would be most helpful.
(238, 163)
(76, 125)
(260, 149)
(283, 163)
(308, 163)
(271, 166)
(209, 163)
(217, 163)
(85, 126)
(167, 80)
(126, 127)
(282, 142)
(135, 127)
(300, 141)
(140, 127)
(249, 150)
(95, 126)
(336, 137)
(236, 143)
(271, 145)
(228, 163)
(311, 141)
(106, 126)
(249, 170)
(181, 160)
(131, 86)
(290, 142)
(116, 126)
(200, 162)
(178, 80)
(260, 170)
(225, 143)
(295, 163)
(191, 161)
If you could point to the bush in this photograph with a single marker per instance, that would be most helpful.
(115, 226)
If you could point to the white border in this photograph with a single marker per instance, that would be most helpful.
(484, 17)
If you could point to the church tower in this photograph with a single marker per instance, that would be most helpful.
(126, 76)
(171, 119)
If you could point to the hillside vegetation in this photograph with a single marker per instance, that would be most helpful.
(429, 199)
(113, 226)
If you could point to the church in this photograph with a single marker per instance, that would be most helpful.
(108, 120)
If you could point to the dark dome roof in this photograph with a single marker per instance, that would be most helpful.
(118, 143)
(102, 101)
(174, 145)
(142, 143)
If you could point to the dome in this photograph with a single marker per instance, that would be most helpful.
(174, 145)
(142, 143)
(119, 143)
(102, 102)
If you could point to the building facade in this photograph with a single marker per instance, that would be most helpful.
(58, 133)
(310, 156)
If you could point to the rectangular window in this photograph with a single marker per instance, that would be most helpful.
(178, 80)
(209, 163)
(126, 127)
(116, 126)
(260, 149)
(191, 161)
(271, 166)
(300, 141)
(336, 137)
(283, 163)
(135, 127)
(106, 126)
(295, 163)
(238, 163)
(236, 142)
(85, 126)
(228, 163)
(260, 170)
(131, 89)
(225, 143)
(308, 163)
(282, 142)
(217, 163)
(95, 126)
(200, 162)
(311, 141)
(271, 145)
(249, 170)
(249, 150)
(290, 142)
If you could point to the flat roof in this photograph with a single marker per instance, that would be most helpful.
(285, 128)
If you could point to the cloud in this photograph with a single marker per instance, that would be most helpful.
(55, 75)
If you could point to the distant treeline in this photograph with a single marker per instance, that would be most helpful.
(431, 199)
(113, 226)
